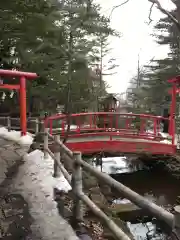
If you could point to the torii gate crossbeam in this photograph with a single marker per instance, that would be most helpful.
(23, 76)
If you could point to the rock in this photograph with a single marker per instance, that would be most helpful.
(89, 181)
(123, 208)
(97, 197)
(34, 146)
(106, 191)
(109, 235)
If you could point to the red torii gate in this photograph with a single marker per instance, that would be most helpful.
(175, 89)
(23, 76)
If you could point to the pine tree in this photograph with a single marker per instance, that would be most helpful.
(155, 88)
(54, 39)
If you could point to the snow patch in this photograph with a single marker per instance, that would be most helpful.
(16, 136)
(35, 183)
(44, 170)
(114, 165)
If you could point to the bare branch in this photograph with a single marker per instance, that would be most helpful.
(150, 12)
(117, 7)
(167, 13)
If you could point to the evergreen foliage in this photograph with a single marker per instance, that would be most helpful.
(58, 40)
(153, 94)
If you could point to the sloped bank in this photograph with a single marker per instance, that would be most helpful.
(170, 164)
(101, 195)
(13, 208)
(13, 147)
(27, 208)
(35, 183)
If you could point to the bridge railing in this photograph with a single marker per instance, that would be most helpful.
(100, 123)
(76, 181)
(125, 125)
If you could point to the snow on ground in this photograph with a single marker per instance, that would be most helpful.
(114, 165)
(12, 149)
(35, 183)
(45, 169)
(16, 136)
(167, 137)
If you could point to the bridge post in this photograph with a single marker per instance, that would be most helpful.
(57, 154)
(46, 142)
(77, 188)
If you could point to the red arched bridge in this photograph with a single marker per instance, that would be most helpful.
(113, 133)
(105, 131)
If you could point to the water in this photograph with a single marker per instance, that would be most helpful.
(119, 165)
(155, 185)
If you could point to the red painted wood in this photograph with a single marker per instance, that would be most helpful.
(116, 138)
(151, 137)
(22, 90)
(9, 86)
(128, 140)
(105, 114)
(14, 73)
(22, 93)
(122, 147)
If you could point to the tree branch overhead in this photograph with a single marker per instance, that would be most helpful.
(163, 10)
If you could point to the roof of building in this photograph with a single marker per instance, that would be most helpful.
(109, 96)
(93, 74)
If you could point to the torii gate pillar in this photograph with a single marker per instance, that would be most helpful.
(175, 89)
(23, 111)
(23, 76)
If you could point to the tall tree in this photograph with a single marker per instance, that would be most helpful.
(155, 86)
(53, 39)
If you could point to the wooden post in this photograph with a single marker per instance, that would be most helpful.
(177, 217)
(41, 125)
(9, 124)
(45, 142)
(77, 188)
(57, 154)
(37, 126)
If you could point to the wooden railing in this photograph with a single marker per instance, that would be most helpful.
(76, 183)
(34, 124)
